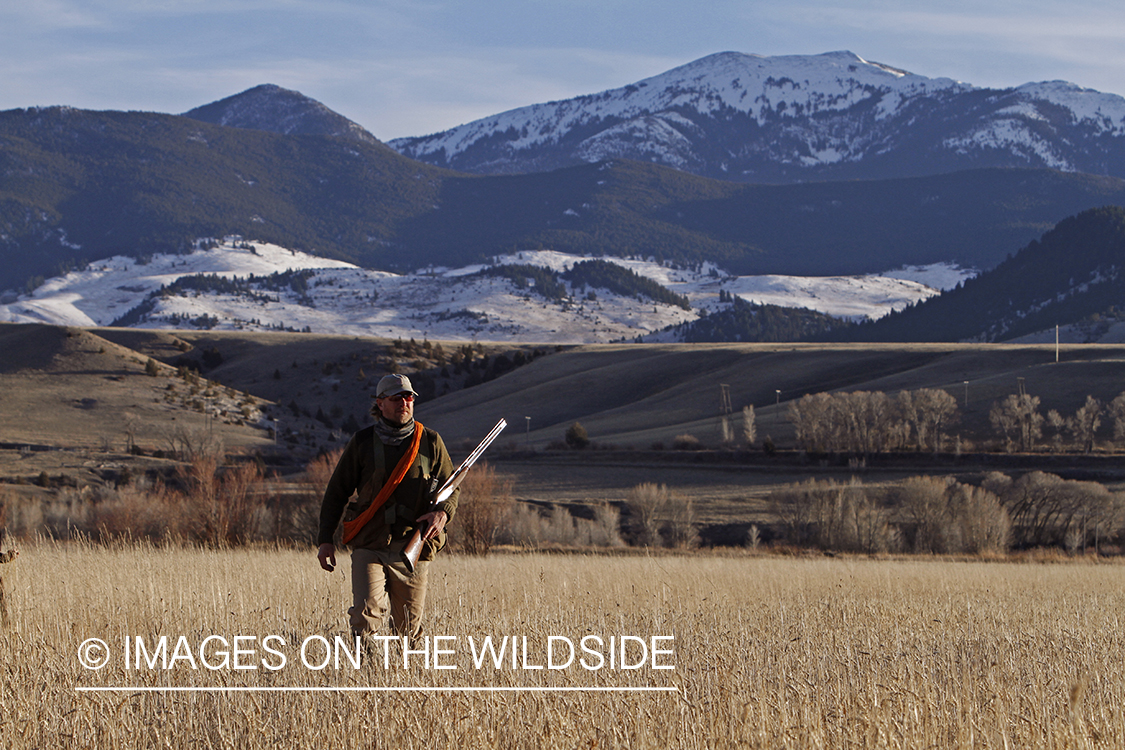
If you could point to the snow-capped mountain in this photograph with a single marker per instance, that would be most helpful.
(276, 110)
(287, 290)
(746, 117)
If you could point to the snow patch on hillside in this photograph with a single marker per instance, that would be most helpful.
(853, 297)
(1015, 136)
(1104, 110)
(456, 304)
(940, 276)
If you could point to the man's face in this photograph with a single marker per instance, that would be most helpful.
(398, 408)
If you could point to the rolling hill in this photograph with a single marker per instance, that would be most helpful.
(74, 386)
(1073, 272)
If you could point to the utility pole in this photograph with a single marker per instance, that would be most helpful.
(724, 400)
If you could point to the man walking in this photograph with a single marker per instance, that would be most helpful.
(394, 465)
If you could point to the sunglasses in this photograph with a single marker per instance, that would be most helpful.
(407, 397)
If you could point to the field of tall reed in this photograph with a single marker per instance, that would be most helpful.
(767, 652)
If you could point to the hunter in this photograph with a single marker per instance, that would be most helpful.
(394, 465)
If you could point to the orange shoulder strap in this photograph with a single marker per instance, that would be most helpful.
(351, 528)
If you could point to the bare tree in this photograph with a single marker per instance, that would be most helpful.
(1117, 411)
(980, 521)
(749, 427)
(858, 421)
(871, 422)
(1044, 508)
(936, 411)
(301, 517)
(795, 505)
(867, 417)
(1085, 424)
(726, 432)
(908, 416)
(191, 443)
(681, 530)
(647, 503)
(946, 516)
(811, 422)
(221, 504)
(132, 424)
(482, 509)
(605, 529)
(923, 503)
(833, 515)
(1018, 418)
(1058, 424)
(867, 524)
(996, 483)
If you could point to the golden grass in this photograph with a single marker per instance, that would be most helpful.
(769, 653)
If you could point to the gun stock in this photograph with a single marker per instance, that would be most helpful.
(413, 549)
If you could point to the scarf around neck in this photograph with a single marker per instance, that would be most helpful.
(392, 434)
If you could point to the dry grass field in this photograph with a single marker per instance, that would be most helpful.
(768, 652)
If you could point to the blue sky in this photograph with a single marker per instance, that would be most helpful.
(411, 67)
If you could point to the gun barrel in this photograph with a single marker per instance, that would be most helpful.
(413, 549)
(455, 478)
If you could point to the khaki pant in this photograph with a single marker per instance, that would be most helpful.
(381, 585)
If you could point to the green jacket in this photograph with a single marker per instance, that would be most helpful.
(395, 522)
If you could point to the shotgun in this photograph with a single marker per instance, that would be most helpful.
(413, 548)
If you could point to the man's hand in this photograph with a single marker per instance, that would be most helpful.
(326, 554)
(433, 522)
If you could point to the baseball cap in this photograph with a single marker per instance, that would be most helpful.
(392, 385)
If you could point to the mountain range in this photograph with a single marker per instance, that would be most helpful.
(79, 186)
(884, 169)
(750, 118)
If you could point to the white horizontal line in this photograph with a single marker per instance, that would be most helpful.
(235, 689)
